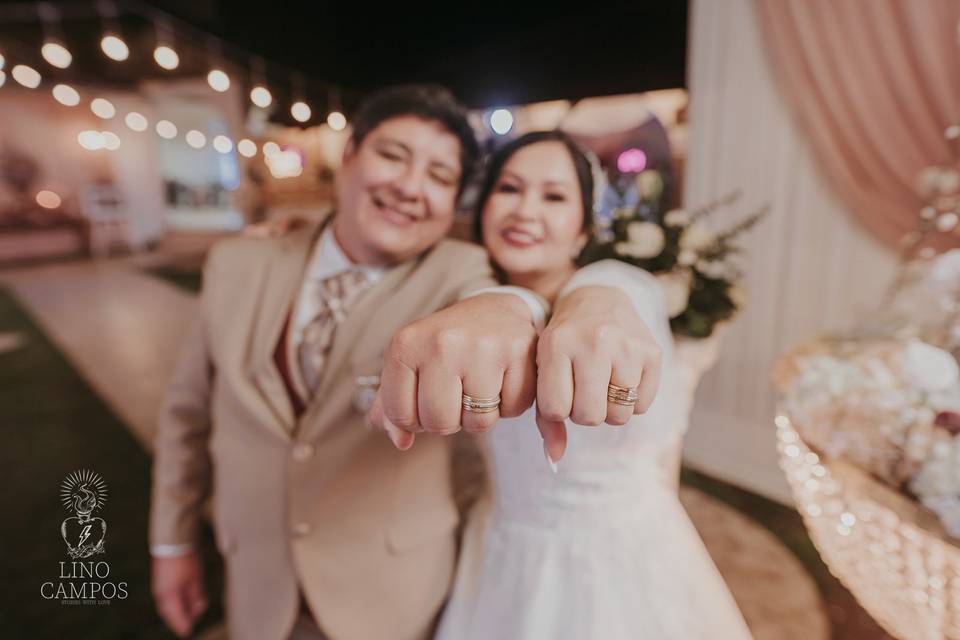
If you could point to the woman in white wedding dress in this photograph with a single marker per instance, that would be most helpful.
(599, 548)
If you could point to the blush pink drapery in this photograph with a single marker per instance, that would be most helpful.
(874, 84)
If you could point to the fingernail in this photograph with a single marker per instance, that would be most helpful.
(546, 454)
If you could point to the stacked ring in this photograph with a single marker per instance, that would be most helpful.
(480, 405)
(625, 396)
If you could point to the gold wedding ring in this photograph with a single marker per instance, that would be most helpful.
(625, 396)
(480, 405)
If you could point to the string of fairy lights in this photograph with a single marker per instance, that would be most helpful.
(56, 53)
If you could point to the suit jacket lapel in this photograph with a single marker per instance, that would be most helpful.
(280, 288)
(374, 304)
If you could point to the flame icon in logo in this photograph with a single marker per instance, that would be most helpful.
(83, 492)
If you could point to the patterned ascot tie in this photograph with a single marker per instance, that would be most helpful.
(335, 295)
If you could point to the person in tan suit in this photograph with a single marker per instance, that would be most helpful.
(326, 529)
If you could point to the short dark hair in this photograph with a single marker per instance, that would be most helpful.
(500, 156)
(426, 101)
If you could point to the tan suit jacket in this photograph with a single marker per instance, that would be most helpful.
(319, 504)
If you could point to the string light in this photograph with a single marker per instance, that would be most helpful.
(66, 95)
(270, 148)
(261, 97)
(54, 51)
(337, 121)
(222, 144)
(27, 76)
(136, 121)
(56, 54)
(114, 47)
(218, 80)
(90, 140)
(103, 108)
(111, 141)
(166, 130)
(166, 57)
(247, 148)
(300, 111)
(196, 139)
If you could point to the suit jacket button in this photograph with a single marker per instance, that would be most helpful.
(301, 529)
(303, 451)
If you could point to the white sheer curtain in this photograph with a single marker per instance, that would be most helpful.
(809, 266)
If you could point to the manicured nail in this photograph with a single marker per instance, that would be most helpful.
(546, 454)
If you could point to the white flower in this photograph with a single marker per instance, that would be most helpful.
(739, 296)
(933, 181)
(697, 237)
(676, 218)
(644, 240)
(714, 270)
(929, 367)
(676, 289)
(649, 183)
(687, 257)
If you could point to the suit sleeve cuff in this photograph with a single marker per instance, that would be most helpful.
(539, 308)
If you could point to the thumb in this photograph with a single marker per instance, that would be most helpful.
(554, 434)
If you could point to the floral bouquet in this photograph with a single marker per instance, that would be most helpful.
(692, 262)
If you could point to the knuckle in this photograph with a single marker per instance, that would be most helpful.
(617, 419)
(586, 418)
(448, 340)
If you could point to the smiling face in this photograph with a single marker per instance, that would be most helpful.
(533, 219)
(397, 190)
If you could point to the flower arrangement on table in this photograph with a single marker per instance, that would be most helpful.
(693, 263)
(888, 405)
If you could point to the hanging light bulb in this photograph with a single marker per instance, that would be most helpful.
(166, 130)
(103, 108)
(136, 121)
(3, 61)
(166, 57)
(66, 95)
(114, 47)
(196, 139)
(90, 140)
(223, 144)
(337, 121)
(261, 97)
(270, 148)
(300, 111)
(247, 148)
(27, 76)
(56, 54)
(3, 78)
(218, 80)
(111, 141)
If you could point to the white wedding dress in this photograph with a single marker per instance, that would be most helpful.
(601, 550)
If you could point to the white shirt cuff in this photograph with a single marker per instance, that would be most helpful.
(171, 550)
(538, 306)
